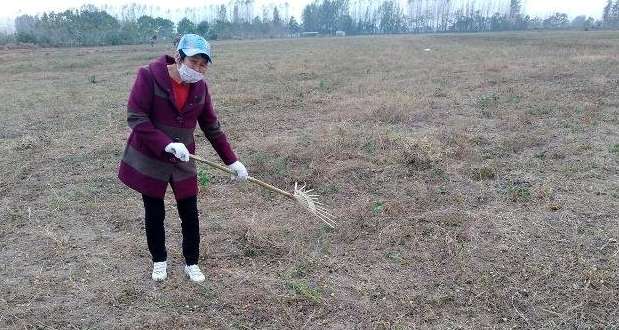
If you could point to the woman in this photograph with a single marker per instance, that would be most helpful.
(168, 98)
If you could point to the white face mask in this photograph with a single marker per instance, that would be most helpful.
(189, 75)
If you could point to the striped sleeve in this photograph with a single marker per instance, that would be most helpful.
(212, 130)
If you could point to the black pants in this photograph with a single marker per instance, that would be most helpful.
(155, 231)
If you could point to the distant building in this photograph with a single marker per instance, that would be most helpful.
(309, 34)
(340, 33)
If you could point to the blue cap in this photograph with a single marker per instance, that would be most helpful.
(193, 44)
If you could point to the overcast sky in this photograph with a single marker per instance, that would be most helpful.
(12, 8)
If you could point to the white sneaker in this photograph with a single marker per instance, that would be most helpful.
(194, 273)
(159, 271)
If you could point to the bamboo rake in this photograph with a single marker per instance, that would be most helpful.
(301, 196)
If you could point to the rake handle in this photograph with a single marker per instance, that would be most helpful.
(249, 178)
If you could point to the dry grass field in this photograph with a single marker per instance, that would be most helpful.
(476, 186)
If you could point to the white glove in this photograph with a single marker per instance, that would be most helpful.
(240, 171)
(179, 150)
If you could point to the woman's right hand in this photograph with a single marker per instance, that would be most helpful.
(178, 150)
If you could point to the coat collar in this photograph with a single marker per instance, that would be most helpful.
(159, 70)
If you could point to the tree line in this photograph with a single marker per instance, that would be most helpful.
(610, 15)
(90, 25)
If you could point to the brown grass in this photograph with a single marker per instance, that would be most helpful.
(476, 186)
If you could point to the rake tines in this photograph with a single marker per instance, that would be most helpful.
(310, 202)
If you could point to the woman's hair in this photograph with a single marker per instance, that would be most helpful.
(183, 55)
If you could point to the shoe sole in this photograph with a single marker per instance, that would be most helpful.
(189, 277)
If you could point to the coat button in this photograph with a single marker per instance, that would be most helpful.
(177, 139)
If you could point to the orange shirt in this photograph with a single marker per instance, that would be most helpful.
(181, 92)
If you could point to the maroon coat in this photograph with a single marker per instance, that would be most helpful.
(155, 122)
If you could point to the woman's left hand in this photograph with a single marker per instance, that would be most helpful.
(240, 171)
